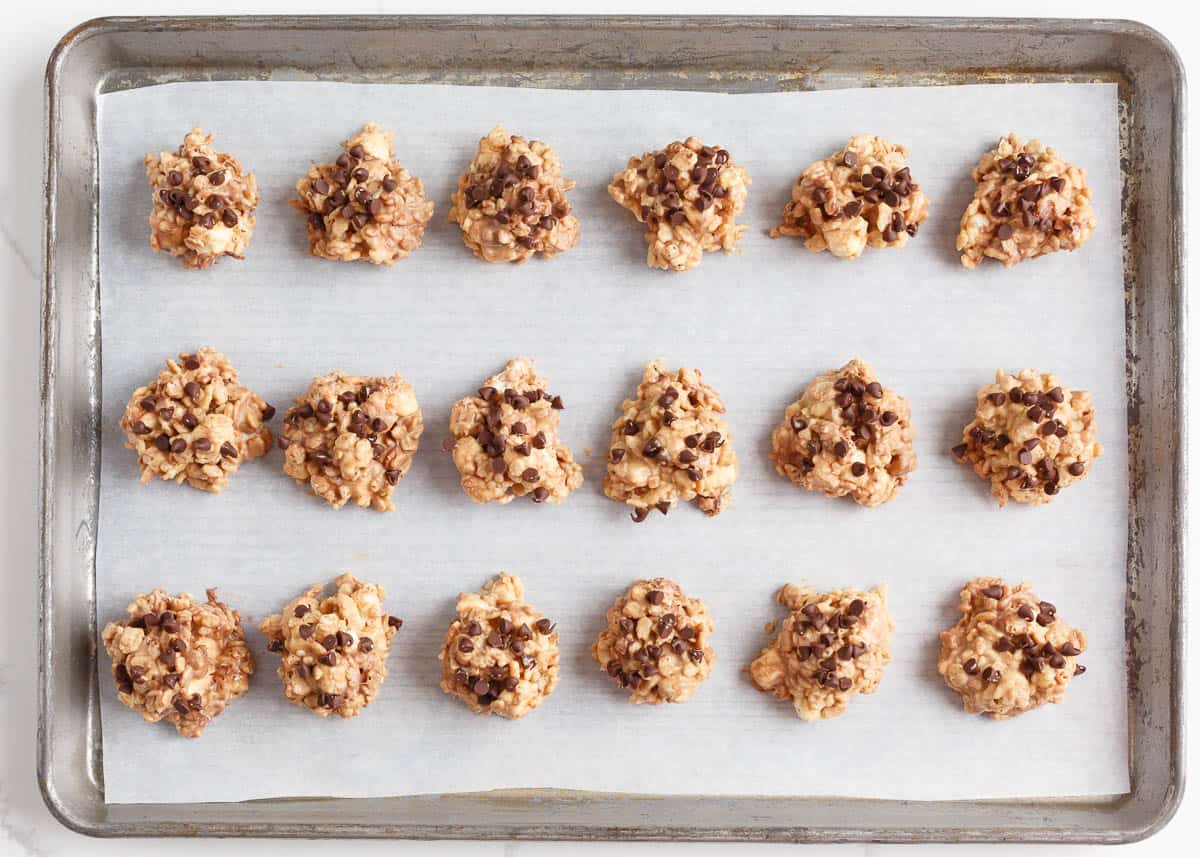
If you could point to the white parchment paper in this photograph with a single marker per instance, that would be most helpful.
(760, 325)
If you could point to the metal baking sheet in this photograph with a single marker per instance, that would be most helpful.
(784, 817)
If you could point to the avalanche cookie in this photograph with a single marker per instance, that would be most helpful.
(179, 660)
(500, 656)
(351, 438)
(688, 196)
(671, 443)
(1028, 202)
(861, 195)
(846, 434)
(1030, 437)
(832, 645)
(364, 205)
(1009, 652)
(656, 643)
(203, 203)
(512, 201)
(505, 440)
(334, 649)
(196, 422)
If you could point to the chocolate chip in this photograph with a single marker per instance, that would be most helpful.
(306, 631)
(1076, 468)
(858, 468)
(994, 591)
(639, 515)
(192, 390)
(229, 450)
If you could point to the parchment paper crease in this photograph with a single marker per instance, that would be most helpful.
(760, 325)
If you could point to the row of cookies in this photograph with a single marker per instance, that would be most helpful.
(350, 438)
(511, 203)
(184, 661)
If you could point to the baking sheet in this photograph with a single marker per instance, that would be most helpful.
(760, 324)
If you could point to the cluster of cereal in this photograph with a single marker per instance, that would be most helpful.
(511, 203)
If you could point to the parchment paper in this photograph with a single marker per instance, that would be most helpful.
(760, 325)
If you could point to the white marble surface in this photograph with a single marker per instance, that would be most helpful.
(26, 828)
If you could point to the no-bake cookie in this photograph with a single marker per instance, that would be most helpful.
(1030, 438)
(512, 201)
(178, 659)
(364, 205)
(846, 434)
(500, 655)
(831, 646)
(333, 648)
(196, 422)
(1028, 202)
(1009, 652)
(351, 438)
(656, 644)
(671, 444)
(505, 440)
(688, 195)
(203, 203)
(862, 195)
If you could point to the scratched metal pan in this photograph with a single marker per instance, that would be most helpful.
(733, 54)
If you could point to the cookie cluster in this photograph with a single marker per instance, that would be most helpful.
(1028, 202)
(504, 440)
(671, 443)
(656, 644)
(1030, 438)
(179, 660)
(689, 196)
(831, 646)
(500, 655)
(862, 195)
(512, 201)
(364, 205)
(351, 438)
(203, 203)
(196, 422)
(333, 649)
(847, 434)
(1009, 652)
